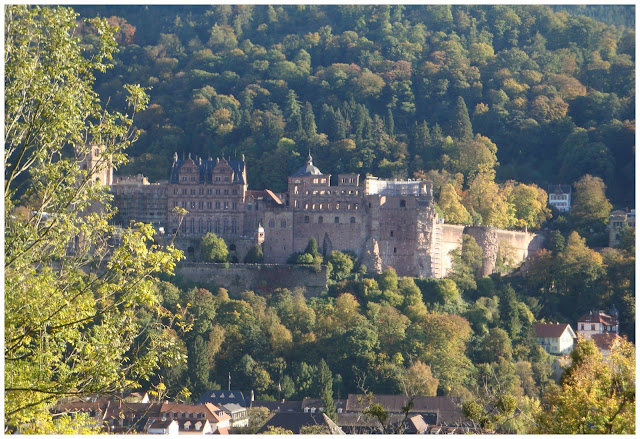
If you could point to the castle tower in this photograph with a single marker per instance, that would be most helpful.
(93, 161)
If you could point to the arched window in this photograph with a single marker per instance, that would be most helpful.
(320, 220)
(283, 223)
(353, 220)
(232, 247)
(272, 223)
(336, 220)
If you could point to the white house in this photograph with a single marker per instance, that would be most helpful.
(161, 426)
(597, 322)
(560, 196)
(555, 338)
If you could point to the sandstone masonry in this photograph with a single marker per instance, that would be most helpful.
(385, 222)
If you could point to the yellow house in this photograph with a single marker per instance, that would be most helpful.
(555, 338)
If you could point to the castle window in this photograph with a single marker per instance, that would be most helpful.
(353, 220)
(394, 249)
(226, 179)
(225, 226)
(295, 190)
(391, 234)
(217, 191)
(272, 223)
(184, 178)
(209, 191)
(218, 179)
(315, 181)
(324, 180)
(306, 205)
(217, 226)
(200, 205)
(175, 191)
(249, 206)
(193, 191)
(193, 178)
(184, 192)
(283, 223)
(369, 205)
(209, 205)
(306, 219)
(183, 204)
(200, 191)
(336, 220)
(175, 204)
(226, 205)
(226, 191)
(200, 226)
(234, 192)
(593, 327)
(337, 206)
(320, 206)
(313, 206)
(193, 204)
(234, 205)
(403, 203)
(217, 204)
(191, 225)
(295, 203)
(320, 220)
(234, 227)
(208, 225)
(355, 206)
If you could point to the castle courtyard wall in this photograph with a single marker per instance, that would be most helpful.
(260, 278)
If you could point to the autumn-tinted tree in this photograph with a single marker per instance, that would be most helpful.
(594, 396)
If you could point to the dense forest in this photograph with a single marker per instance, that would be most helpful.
(445, 92)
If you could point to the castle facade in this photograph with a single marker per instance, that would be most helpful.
(385, 222)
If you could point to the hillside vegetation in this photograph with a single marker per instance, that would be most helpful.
(548, 96)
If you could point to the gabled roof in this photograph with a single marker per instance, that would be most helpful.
(447, 408)
(220, 397)
(598, 317)
(559, 189)
(295, 422)
(553, 330)
(605, 341)
(206, 168)
(158, 423)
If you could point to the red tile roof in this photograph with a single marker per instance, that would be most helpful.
(605, 341)
(544, 330)
(597, 317)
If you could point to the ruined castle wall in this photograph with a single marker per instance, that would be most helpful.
(345, 229)
(522, 243)
(487, 239)
(449, 237)
(258, 278)
(394, 225)
(278, 235)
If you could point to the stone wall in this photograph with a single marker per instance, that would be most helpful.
(260, 278)
(448, 237)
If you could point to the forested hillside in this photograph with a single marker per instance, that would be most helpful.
(447, 92)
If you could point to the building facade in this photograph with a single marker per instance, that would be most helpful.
(385, 222)
(560, 197)
(555, 338)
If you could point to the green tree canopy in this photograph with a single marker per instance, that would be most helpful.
(213, 248)
(72, 316)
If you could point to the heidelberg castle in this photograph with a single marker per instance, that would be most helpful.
(385, 222)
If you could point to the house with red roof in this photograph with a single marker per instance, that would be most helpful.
(555, 338)
(598, 322)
